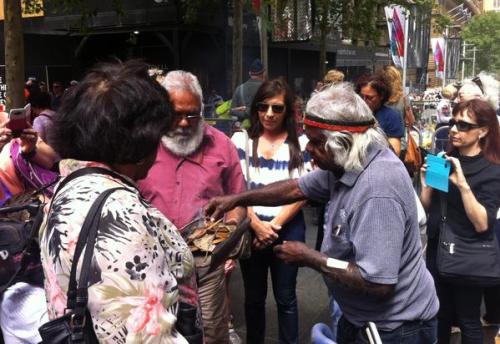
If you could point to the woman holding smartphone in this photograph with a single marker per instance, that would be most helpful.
(23, 307)
(15, 153)
(472, 203)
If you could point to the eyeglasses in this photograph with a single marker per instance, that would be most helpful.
(277, 108)
(190, 117)
(462, 125)
(367, 97)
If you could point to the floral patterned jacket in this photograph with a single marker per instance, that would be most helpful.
(139, 257)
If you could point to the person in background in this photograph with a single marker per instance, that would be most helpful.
(443, 112)
(298, 110)
(375, 91)
(43, 87)
(371, 257)
(195, 162)
(275, 152)
(213, 101)
(57, 94)
(332, 77)
(244, 93)
(472, 203)
(40, 110)
(396, 101)
(139, 257)
(23, 307)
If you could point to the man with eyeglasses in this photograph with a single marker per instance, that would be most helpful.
(194, 163)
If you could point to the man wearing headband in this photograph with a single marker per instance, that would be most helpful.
(371, 256)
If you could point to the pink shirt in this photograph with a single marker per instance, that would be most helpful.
(181, 186)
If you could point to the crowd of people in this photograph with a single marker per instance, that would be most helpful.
(142, 134)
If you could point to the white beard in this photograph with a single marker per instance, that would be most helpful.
(184, 145)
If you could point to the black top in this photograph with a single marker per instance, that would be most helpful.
(483, 178)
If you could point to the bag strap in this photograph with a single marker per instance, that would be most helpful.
(443, 200)
(77, 293)
(92, 170)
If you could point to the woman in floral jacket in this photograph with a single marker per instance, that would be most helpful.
(114, 119)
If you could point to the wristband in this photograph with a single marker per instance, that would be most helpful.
(29, 155)
(333, 263)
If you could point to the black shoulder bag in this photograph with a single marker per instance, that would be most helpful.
(467, 261)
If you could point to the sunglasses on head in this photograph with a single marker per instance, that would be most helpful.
(277, 108)
(462, 125)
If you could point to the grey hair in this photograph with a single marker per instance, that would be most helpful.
(340, 103)
(184, 81)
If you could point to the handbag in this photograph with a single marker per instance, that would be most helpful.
(467, 261)
(19, 251)
(412, 157)
(76, 325)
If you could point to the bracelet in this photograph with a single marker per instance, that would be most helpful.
(29, 155)
(333, 263)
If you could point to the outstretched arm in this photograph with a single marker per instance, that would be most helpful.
(279, 193)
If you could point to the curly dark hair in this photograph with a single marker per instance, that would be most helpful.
(377, 82)
(116, 115)
(269, 89)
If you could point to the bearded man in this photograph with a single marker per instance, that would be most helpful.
(194, 163)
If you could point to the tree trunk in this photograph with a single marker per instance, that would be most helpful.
(237, 42)
(14, 53)
(264, 22)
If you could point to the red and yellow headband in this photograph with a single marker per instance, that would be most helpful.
(353, 127)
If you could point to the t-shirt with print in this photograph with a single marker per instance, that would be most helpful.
(269, 170)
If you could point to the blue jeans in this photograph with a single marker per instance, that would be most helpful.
(411, 332)
(284, 280)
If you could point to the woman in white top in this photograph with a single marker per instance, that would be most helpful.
(272, 152)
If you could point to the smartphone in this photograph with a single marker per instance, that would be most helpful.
(19, 120)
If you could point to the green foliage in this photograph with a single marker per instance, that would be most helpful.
(484, 32)
(190, 9)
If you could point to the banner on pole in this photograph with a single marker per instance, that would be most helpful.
(395, 23)
(438, 50)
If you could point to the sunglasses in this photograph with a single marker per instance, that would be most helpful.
(462, 125)
(277, 108)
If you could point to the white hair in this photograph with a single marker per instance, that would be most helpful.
(184, 81)
(340, 103)
(489, 90)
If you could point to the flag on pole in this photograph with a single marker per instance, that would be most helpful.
(395, 24)
(439, 53)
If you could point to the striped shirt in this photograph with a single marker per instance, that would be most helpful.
(269, 170)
